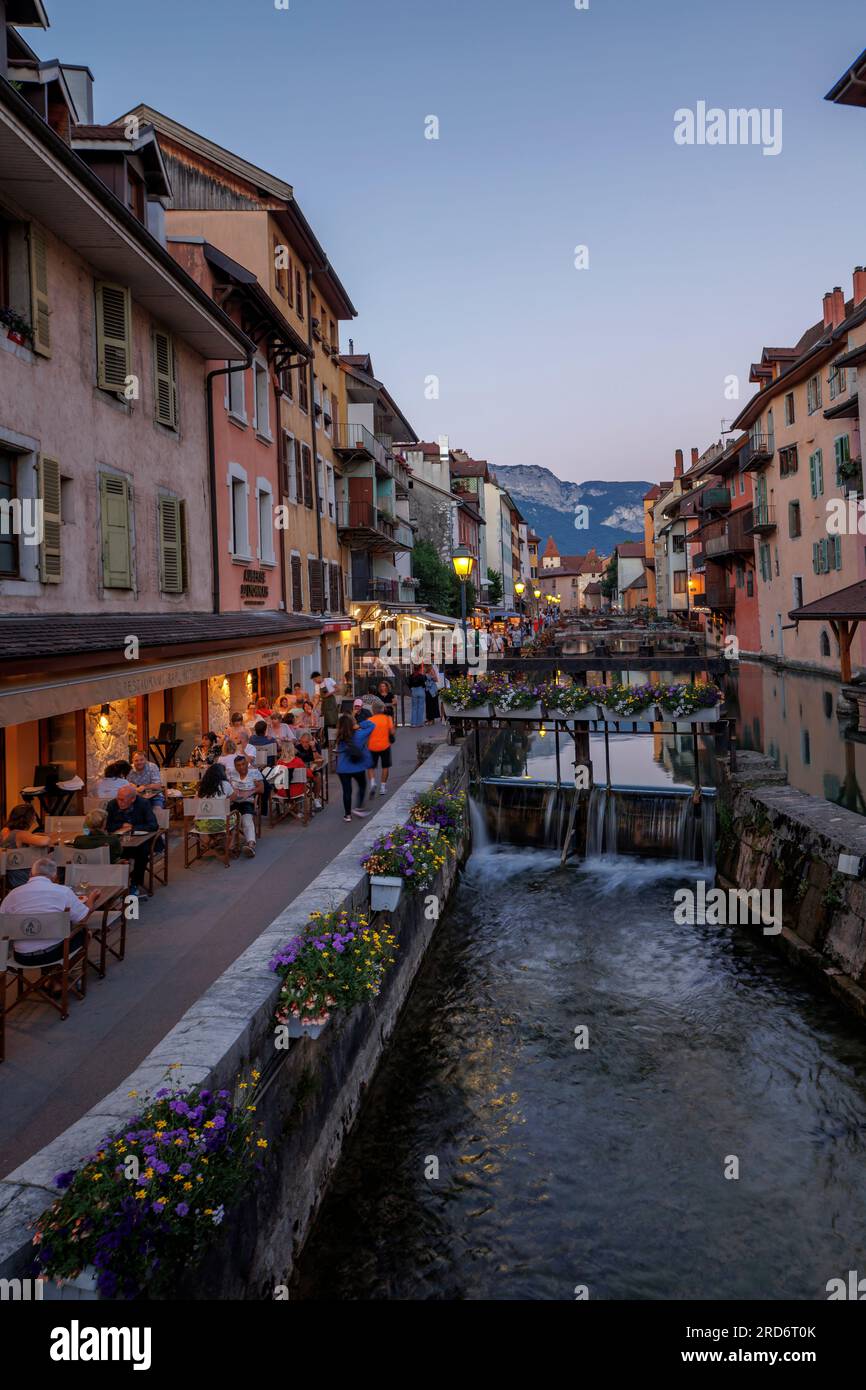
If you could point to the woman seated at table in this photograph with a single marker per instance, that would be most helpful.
(18, 833)
(95, 836)
(214, 783)
(206, 751)
(307, 718)
(115, 775)
(226, 758)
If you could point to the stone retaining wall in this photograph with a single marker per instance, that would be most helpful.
(775, 837)
(310, 1093)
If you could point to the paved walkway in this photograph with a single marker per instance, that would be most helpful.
(186, 936)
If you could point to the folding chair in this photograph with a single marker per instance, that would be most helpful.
(68, 854)
(174, 779)
(64, 825)
(157, 864)
(24, 859)
(113, 916)
(208, 808)
(71, 969)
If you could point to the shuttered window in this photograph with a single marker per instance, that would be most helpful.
(40, 308)
(50, 559)
(114, 498)
(317, 587)
(308, 475)
(113, 336)
(334, 596)
(172, 579)
(341, 600)
(297, 587)
(303, 390)
(164, 380)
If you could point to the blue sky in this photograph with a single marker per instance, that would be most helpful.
(556, 129)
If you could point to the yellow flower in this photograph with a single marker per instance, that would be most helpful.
(97, 1177)
(140, 1195)
(187, 1187)
(132, 1093)
(255, 1075)
(148, 1172)
(261, 1143)
(208, 1124)
(178, 1177)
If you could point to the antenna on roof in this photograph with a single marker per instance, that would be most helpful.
(351, 347)
(726, 427)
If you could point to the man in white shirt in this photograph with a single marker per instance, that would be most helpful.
(42, 893)
(246, 781)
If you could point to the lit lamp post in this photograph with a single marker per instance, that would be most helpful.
(464, 562)
(519, 590)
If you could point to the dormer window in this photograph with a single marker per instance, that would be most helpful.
(135, 194)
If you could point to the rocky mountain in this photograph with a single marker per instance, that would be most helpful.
(614, 509)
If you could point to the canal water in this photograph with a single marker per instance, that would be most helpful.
(495, 1160)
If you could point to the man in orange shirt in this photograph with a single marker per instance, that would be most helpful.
(380, 745)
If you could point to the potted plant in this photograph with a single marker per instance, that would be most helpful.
(464, 698)
(404, 855)
(628, 702)
(146, 1206)
(689, 704)
(439, 811)
(571, 702)
(18, 330)
(337, 962)
(517, 701)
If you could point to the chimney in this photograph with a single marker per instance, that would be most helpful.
(695, 457)
(828, 309)
(678, 463)
(859, 285)
(838, 306)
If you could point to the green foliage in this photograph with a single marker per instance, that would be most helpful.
(609, 582)
(494, 583)
(438, 585)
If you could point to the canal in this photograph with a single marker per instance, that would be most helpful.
(493, 1159)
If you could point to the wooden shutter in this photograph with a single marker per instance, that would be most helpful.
(297, 587)
(299, 474)
(317, 587)
(50, 559)
(116, 540)
(334, 594)
(164, 380)
(308, 476)
(40, 309)
(341, 601)
(113, 336)
(170, 546)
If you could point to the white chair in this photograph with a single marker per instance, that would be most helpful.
(174, 779)
(267, 750)
(113, 915)
(158, 863)
(213, 808)
(71, 969)
(64, 825)
(68, 854)
(24, 859)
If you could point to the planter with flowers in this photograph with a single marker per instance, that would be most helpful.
(18, 330)
(635, 702)
(337, 962)
(463, 698)
(147, 1205)
(405, 855)
(439, 811)
(515, 701)
(689, 704)
(573, 702)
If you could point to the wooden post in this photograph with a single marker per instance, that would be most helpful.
(844, 634)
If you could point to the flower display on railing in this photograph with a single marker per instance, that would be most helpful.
(405, 852)
(572, 699)
(464, 693)
(147, 1204)
(441, 808)
(338, 962)
(18, 328)
(681, 699)
(629, 700)
(513, 695)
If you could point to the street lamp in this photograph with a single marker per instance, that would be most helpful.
(464, 562)
(519, 588)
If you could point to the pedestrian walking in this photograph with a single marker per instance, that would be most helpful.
(353, 760)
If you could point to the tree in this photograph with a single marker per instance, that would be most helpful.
(438, 585)
(609, 581)
(494, 586)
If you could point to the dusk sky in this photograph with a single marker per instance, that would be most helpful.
(556, 129)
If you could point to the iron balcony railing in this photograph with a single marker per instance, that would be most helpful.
(757, 452)
(364, 516)
(356, 439)
(762, 519)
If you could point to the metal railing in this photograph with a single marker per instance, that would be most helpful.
(762, 518)
(364, 516)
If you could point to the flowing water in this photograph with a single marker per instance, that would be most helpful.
(495, 1160)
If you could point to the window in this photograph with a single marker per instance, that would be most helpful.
(262, 381)
(764, 561)
(742, 485)
(317, 586)
(797, 584)
(334, 343)
(837, 381)
(239, 541)
(303, 390)
(813, 394)
(289, 478)
(113, 336)
(679, 581)
(827, 554)
(282, 272)
(297, 589)
(788, 461)
(299, 295)
(334, 588)
(266, 522)
(236, 401)
(842, 451)
(287, 382)
(114, 503)
(320, 483)
(750, 583)
(679, 544)
(50, 491)
(776, 558)
(8, 495)
(740, 575)
(825, 644)
(307, 464)
(332, 496)
(164, 380)
(816, 473)
(789, 408)
(794, 519)
(805, 747)
(172, 545)
(835, 552)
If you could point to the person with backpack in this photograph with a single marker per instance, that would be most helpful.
(353, 760)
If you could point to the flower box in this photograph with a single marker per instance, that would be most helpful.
(465, 711)
(709, 714)
(384, 892)
(18, 338)
(528, 712)
(83, 1286)
(298, 1029)
(432, 830)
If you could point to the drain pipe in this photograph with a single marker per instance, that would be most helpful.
(212, 478)
(312, 366)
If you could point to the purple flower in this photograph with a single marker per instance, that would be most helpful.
(63, 1180)
(182, 1209)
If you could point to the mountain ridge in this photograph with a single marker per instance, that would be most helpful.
(614, 509)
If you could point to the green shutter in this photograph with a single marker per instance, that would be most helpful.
(39, 306)
(113, 336)
(50, 559)
(170, 546)
(813, 476)
(825, 564)
(164, 380)
(837, 552)
(116, 539)
(815, 557)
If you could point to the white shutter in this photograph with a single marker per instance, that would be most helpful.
(113, 335)
(40, 309)
(164, 380)
(50, 558)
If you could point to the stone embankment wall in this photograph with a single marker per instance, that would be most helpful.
(310, 1093)
(775, 837)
